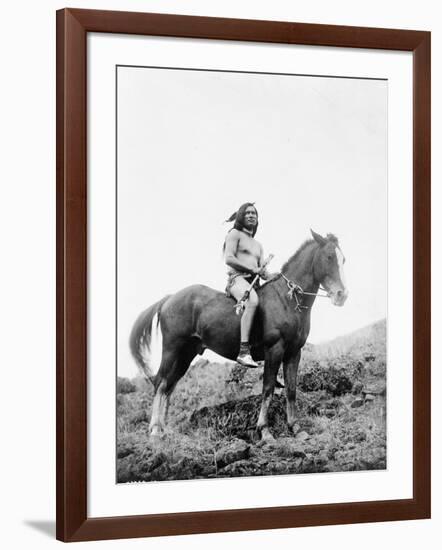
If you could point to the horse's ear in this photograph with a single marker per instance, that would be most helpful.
(320, 240)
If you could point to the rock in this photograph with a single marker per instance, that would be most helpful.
(360, 436)
(241, 468)
(297, 453)
(321, 459)
(331, 453)
(296, 428)
(236, 419)
(302, 436)
(374, 459)
(308, 464)
(161, 473)
(288, 448)
(150, 460)
(375, 388)
(369, 397)
(237, 450)
(357, 403)
(333, 379)
(124, 450)
(307, 425)
(124, 473)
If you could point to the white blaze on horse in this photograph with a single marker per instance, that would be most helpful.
(199, 317)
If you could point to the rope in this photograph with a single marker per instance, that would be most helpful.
(295, 289)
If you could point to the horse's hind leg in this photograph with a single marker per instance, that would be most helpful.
(156, 425)
(173, 367)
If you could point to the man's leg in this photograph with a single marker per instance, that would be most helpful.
(237, 290)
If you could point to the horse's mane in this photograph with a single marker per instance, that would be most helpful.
(330, 237)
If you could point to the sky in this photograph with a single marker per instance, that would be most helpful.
(194, 145)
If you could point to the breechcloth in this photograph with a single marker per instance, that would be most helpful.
(231, 276)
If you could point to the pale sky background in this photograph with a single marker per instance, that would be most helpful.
(194, 145)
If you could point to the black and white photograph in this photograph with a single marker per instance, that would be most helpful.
(251, 274)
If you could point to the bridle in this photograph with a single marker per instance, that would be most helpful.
(296, 292)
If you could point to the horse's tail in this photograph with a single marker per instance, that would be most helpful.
(145, 340)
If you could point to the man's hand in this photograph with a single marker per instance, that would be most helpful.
(263, 273)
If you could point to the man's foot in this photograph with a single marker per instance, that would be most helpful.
(244, 358)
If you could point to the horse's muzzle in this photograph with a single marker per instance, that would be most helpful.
(339, 297)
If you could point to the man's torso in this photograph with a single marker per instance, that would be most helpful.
(248, 250)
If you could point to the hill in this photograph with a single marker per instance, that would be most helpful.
(370, 339)
(341, 409)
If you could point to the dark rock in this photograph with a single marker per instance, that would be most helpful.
(189, 468)
(241, 468)
(332, 452)
(151, 460)
(161, 473)
(124, 449)
(360, 436)
(326, 407)
(336, 380)
(357, 403)
(289, 448)
(238, 418)
(124, 473)
(237, 450)
(321, 459)
(297, 453)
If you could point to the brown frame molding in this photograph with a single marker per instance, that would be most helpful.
(72, 28)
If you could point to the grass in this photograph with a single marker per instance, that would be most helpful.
(215, 406)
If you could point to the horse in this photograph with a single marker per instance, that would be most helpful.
(197, 317)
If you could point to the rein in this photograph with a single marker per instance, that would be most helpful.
(295, 290)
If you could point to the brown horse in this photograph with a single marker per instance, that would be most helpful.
(199, 317)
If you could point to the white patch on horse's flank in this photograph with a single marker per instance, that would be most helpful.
(340, 259)
(156, 346)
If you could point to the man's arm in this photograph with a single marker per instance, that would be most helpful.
(230, 258)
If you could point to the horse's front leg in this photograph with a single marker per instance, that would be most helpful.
(290, 366)
(273, 358)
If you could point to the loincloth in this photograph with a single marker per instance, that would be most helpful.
(232, 275)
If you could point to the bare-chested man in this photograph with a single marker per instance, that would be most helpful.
(245, 257)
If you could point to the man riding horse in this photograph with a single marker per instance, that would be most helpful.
(245, 257)
(184, 324)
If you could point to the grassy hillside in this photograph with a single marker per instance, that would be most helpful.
(213, 413)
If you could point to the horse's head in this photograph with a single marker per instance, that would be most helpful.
(328, 268)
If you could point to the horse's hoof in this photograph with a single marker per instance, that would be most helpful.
(155, 432)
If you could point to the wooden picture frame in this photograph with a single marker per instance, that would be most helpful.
(73, 523)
